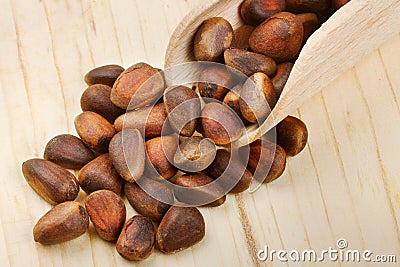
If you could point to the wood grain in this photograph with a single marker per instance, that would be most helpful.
(343, 185)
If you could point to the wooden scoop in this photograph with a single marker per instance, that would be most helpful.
(355, 30)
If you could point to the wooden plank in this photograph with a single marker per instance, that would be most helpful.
(71, 55)
(350, 120)
(331, 178)
(4, 247)
(18, 210)
(312, 205)
(285, 205)
(384, 116)
(100, 32)
(390, 56)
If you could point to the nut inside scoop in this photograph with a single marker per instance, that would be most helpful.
(326, 55)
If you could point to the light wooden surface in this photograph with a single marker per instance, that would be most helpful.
(345, 184)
